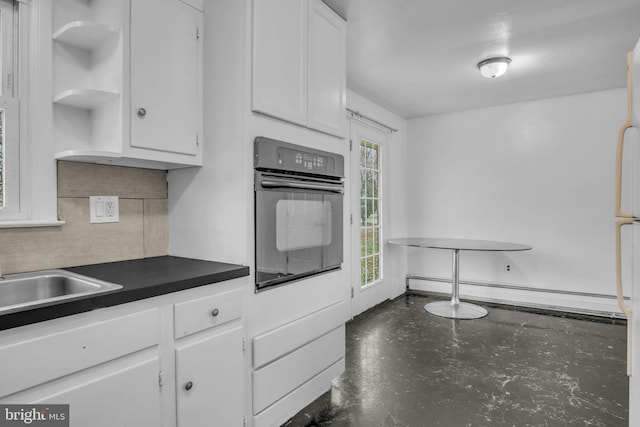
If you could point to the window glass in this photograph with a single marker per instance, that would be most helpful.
(2, 116)
(9, 123)
(370, 232)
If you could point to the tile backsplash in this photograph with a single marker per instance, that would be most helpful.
(142, 231)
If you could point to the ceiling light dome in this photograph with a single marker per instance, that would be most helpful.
(494, 67)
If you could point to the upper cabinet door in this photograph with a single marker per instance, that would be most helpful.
(166, 102)
(280, 59)
(327, 70)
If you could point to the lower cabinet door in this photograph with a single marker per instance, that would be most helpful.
(209, 381)
(127, 396)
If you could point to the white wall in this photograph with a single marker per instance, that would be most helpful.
(209, 206)
(539, 173)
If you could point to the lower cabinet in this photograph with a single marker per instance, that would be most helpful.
(126, 397)
(209, 381)
(128, 366)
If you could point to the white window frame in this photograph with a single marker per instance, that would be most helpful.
(10, 105)
(33, 187)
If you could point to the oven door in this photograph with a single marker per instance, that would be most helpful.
(298, 224)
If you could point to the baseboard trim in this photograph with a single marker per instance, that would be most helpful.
(583, 303)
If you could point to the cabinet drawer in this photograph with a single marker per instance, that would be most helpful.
(288, 338)
(288, 373)
(33, 361)
(206, 312)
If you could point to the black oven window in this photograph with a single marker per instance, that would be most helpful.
(302, 224)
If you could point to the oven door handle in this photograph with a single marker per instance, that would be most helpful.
(303, 186)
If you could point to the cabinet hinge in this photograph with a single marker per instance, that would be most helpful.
(160, 379)
(351, 218)
(352, 293)
(197, 139)
(351, 145)
(197, 33)
(244, 344)
(244, 422)
(9, 81)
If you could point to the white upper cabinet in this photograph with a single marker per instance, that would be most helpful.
(299, 64)
(280, 59)
(327, 70)
(127, 83)
(165, 75)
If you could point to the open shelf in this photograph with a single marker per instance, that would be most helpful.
(100, 49)
(85, 34)
(86, 99)
(87, 155)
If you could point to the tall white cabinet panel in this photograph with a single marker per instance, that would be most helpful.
(209, 381)
(327, 70)
(165, 75)
(299, 64)
(280, 59)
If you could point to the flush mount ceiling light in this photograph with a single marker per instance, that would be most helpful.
(494, 67)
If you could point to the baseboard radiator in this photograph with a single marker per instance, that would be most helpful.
(601, 305)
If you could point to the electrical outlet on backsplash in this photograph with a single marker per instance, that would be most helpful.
(142, 230)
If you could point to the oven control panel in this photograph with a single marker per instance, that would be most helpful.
(271, 154)
(304, 161)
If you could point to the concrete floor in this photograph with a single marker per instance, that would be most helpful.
(405, 367)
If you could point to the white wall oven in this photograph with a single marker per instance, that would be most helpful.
(298, 212)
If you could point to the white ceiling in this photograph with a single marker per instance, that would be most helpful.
(419, 57)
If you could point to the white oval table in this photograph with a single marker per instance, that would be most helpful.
(455, 309)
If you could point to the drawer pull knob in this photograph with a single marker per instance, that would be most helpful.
(142, 112)
(188, 386)
(215, 312)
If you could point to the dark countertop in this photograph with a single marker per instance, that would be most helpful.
(140, 279)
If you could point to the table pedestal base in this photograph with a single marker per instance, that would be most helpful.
(455, 309)
(461, 310)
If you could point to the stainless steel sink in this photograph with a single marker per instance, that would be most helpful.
(24, 291)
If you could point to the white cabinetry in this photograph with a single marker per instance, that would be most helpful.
(280, 59)
(91, 408)
(174, 360)
(294, 363)
(127, 83)
(299, 64)
(166, 72)
(90, 365)
(326, 70)
(209, 360)
(209, 380)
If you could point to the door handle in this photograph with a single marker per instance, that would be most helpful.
(620, 147)
(619, 291)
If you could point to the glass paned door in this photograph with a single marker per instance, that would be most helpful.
(368, 161)
(370, 214)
